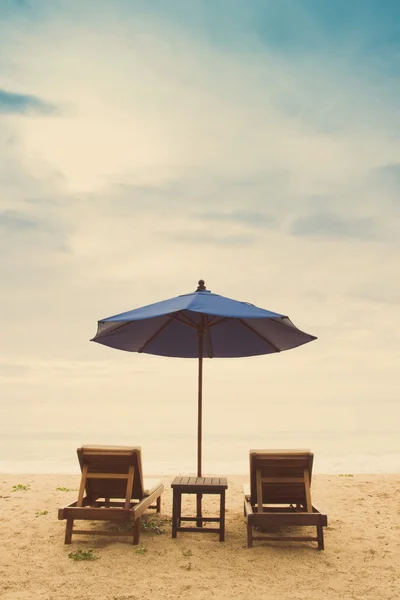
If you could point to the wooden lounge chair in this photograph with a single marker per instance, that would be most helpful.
(280, 496)
(115, 490)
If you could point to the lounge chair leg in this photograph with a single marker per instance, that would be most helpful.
(249, 533)
(68, 530)
(158, 506)
(320, 536)
(136, 531)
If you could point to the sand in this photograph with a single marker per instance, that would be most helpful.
(361, 559)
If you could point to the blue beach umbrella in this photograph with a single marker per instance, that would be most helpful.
(198, 325)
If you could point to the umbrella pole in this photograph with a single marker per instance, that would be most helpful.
(199, 522)
(200, 406)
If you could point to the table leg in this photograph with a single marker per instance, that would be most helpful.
(199, 522)
(222, 516)
(179, 510)
(174, 512)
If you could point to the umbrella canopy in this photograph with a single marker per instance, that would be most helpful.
(197, 325)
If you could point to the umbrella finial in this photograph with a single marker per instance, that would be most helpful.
(202, 286)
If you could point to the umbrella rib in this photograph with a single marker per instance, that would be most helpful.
(107, 333)
(180, 317)
(212, 323)
(263, 338)
(295, 329)
(157, 333)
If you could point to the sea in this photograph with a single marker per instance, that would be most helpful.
(166, 453)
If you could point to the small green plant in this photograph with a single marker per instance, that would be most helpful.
(118, 527)
(83, 555)
(40, 513)
(65, 489)
(187, 553)
(141, 550)
(148, 525)
(346, 475)
(21, 488)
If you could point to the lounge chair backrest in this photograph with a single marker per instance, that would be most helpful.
(111, 472)
(281, 477)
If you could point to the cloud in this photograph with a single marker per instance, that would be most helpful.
(167, 94)
(24, 104)
(204, 143)
(205, 239)
(388, 176)
(315, 296)
(330, 225)
(380, 292)
(14, 371)
(241, 217)
(15, 221)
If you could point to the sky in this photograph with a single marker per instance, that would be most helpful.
(251, 143)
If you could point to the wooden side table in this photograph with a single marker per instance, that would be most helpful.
(198, 486)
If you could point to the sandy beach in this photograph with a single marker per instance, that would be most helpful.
(361, 559)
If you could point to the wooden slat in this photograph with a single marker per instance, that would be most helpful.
(281, 451)
(248, 509)
(98, 514)
(259, 490)
(101, 532)
(280, 509)
(307, 490)
(105, 453)
(147, 501)
(285, 538)
(280, 480)
(268, 519)
(199, 529)
(111, 504)
(199, 483)
(129, 486)
(107, 475)
(82, 485)
(204, 519)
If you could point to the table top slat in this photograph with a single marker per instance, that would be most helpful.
(199, 482)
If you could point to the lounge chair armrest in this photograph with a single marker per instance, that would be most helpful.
(248, 509)
(141, 506)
